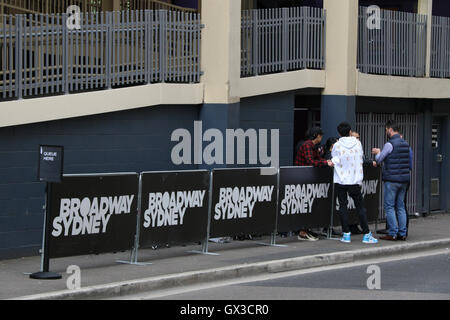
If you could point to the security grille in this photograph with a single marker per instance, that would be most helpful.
(371, 127)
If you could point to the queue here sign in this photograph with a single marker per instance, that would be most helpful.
(50, 168)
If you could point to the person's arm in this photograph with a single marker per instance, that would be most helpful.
(335, 155)
(387, 149)
(311, 159)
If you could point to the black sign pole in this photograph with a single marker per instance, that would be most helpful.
(45, 273)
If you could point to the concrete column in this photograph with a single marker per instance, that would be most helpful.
(221, 56)
(341, 46)
(339, 95)
(426, 7)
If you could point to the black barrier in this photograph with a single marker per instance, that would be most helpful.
(92, 214)
(174, 207)
(305, 198)
(371, 191)
(243, 202)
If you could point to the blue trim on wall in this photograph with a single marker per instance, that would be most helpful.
(334, 110)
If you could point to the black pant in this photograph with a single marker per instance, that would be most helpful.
(354, 191)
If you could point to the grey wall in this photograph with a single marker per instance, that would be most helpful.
(137, 140)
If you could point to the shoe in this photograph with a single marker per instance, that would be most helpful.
(306, 237)
(369, 239)
(354, 229)
(389, 238)
(401, 238)
(346, 237)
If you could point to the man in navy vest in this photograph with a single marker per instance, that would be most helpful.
(396, 176)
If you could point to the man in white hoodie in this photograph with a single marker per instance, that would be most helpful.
(348, 157)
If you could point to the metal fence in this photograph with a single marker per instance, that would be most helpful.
(40, 55)
(371, 127)
(48, 6)
(283, 39)
(152, 5)
(440, 47)
(398, 47)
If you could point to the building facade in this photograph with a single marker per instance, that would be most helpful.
(112, 87)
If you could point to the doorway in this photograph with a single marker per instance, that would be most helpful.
(437, 159)
(304, 118)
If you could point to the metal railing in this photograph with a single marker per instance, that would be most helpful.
(39, 55)
(152, 5)
(398, 47)
(440, 48)
(49, 6)
(283, 39)
(60, 6)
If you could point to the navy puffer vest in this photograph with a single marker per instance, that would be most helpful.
(396, 164)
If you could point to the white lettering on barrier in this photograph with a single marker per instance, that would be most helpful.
(239, 203)
(89, 216)
(299, 198)
(368, 187)
(169, 209)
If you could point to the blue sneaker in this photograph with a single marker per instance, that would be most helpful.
(346, 237)
(369, 239)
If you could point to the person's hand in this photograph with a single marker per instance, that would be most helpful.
(330, 163)
(375, 164)
(376, 151)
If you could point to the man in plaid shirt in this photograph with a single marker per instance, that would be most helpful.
(309, 155)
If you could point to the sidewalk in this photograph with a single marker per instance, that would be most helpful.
(101, 274)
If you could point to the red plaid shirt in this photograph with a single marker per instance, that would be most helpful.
(308, 155)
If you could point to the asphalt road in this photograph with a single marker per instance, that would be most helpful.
(419, 276)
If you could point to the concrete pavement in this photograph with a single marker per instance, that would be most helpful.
(101, 276)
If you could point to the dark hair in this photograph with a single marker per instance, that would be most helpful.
(314, 132)
(344, 129)
(392, 124)
(330, 142)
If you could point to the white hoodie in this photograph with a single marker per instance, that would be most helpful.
(348, 157)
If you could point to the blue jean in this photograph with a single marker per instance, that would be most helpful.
(394, 196)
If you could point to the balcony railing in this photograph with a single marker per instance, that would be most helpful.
(152, 5)
(440, 48)
(280, 40)
(398, 47)
(60, 6)
(49, 6)
(40, 55)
